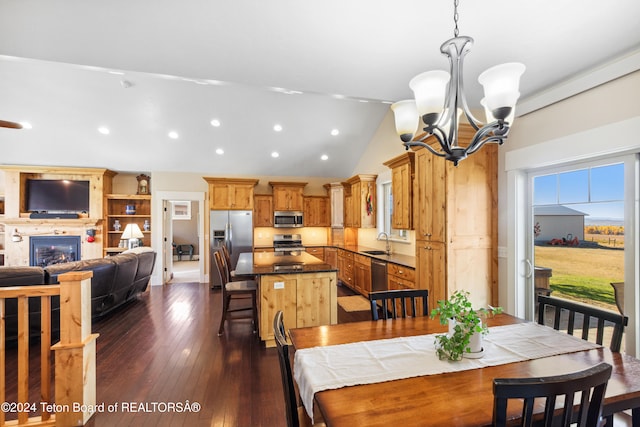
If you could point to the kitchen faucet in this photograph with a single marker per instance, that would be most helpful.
(388, 247)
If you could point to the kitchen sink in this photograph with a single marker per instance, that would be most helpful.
(375, 252)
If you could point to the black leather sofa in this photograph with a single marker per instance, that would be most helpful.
(116, 280)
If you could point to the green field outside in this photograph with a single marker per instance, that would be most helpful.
(583, 274)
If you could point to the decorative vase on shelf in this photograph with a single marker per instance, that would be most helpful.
(130, 209)
(116, 225)
(146, 226)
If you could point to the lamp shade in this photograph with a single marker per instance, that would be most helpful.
(406, 116)
(491, 118)
(132, 231)
(501, 85)
(430, 89)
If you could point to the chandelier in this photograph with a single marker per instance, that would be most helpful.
(440, 100)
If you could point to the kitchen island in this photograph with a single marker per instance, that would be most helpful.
(302, 286)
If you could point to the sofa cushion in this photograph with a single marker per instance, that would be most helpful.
(101, 282)
(146, 261)
(126, 267)
(20, 276)
(26, 276)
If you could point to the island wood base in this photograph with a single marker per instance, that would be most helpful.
(306, 299)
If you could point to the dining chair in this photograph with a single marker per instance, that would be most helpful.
(295, 413)
(399, 303)
(590, 384)
(237, 290)
(602, 318)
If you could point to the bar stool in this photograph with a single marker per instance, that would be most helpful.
(236, 290)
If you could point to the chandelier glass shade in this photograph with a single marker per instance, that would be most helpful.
(440, 101)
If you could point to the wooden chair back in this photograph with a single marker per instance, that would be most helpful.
(600, 316)
(290, 399)
(223, 272)
(590, 384)
(399, 303)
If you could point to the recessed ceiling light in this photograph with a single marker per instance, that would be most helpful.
(277, 127)
(335, 132)
(364, 101)
(220, 151)
(26, 125)
(275, 154)
(173, 134)
(324, 157)
(338, 96)
(104, 130)
(215, 123)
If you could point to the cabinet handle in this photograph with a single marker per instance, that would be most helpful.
(400, 272)
(428, 248)
(427, 234)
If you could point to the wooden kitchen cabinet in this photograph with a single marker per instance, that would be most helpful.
(309, 298)
(360, 201)
(331, 256)
(316, 211)
(402, 174)
(455, 217)
(263, 210)
(287, 196)
(345, 267)
(347, 205)
(316, 251)
(336, 193)
(231, 193)
(362, 274)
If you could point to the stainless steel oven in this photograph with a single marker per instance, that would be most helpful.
(288, 219)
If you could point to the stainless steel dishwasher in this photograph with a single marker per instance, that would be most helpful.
(378, 275)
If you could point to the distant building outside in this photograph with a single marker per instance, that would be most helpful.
(557, 222)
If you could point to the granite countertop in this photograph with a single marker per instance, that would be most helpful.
(263, 263)
(403, 260)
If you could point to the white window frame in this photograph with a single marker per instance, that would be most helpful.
(608, 142)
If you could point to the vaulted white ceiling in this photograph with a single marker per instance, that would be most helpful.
(145, 68)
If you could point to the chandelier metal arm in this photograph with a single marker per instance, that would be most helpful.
(493, 132)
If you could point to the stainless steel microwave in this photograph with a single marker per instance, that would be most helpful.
(288, 219)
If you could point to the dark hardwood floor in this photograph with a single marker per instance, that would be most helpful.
(164, 349)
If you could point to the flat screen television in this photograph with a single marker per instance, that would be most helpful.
(57, 196)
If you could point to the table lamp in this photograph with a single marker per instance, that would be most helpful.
(132, 233)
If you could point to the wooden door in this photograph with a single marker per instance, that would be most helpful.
(431, 270)
(263, 210)
(242, 196)
(431, 198)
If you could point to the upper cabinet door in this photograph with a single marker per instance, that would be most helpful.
(287, 196)
(231, 194)
(402, 174)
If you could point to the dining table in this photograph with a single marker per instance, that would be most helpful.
(448, 396)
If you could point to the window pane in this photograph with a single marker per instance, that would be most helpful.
(607, 183)
(545, 190)
(574, 186)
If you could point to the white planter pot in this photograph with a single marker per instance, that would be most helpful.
(475, 343)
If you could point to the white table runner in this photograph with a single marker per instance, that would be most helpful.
(368, 362)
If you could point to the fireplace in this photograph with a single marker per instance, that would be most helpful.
(47, 250)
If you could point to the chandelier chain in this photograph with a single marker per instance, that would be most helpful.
(455, 17)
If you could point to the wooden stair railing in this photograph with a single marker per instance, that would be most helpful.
(75, 385)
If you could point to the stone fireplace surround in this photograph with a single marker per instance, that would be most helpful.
(18, 253)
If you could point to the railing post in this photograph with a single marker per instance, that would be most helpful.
(75, 354)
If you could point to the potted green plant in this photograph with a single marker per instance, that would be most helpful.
(466, 327)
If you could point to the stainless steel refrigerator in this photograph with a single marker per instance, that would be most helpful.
(233, 229)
